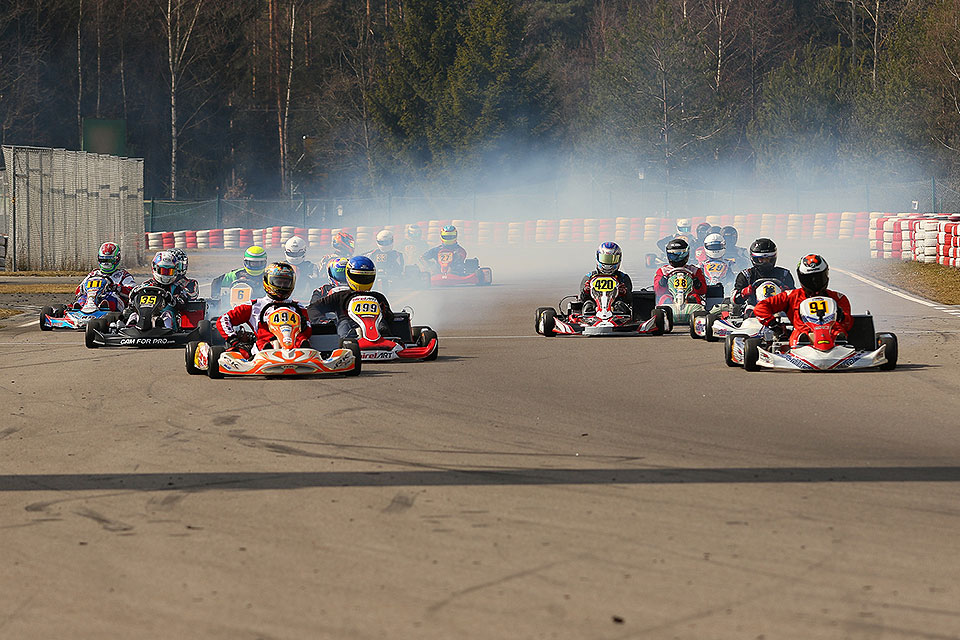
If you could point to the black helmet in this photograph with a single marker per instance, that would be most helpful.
(678, 251)
(703, 230)
(730, 235)
(278, 280)
(763, 253)
(813, 273)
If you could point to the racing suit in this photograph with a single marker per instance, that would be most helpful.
(789, 302)
(387, 262)
(190, 286)
(338, 302)
(743, 287)
(660, 283)
(250, 313)
(228, 279)
(179, 296)
(115, 300)
(459, 257)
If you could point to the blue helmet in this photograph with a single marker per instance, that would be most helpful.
(337, 270)
(608, 257)
(361, 273)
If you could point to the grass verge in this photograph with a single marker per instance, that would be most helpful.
(7, 313)
(37, 288)
(42, 274)
(932, 281)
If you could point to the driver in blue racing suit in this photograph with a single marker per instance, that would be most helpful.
(361, 274)
(609, 257)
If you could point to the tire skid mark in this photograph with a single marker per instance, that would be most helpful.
(109, 524)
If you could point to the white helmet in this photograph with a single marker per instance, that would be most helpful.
(714, 246)
(165, 267)
(296, 249)
(385, 239)
(684, 225)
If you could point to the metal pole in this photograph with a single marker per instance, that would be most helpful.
(933, 194)
(13, 201)
(219, 209)
(153, 213)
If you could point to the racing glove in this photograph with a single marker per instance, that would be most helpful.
(746, 291)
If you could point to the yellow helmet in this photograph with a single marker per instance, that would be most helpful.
(448, 235)
(255, 260)
(279, 280)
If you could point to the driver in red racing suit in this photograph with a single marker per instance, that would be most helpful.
(279, 280)
(678, 252)
(813, 274)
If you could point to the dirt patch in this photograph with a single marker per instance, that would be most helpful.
(932, 281)
(6, 313)
(37, 288)
(42, 274)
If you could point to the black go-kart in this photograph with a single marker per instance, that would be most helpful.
(149, 332)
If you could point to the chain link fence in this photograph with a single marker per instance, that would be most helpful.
(579, 197)
(58, 206)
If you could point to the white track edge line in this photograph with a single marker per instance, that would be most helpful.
(892, 291)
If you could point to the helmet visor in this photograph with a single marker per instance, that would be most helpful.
(364, 278)
(255, 266)
(165, 272)
(674, 257)
(608, 259)
(815, 282)
(764, 259)
(714, 246)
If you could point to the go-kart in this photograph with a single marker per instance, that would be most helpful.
(603, 314)
(397, 341)
(727, 318)
(470, 274)
(826, 347)
(280, 358)
(74, 317)
(681, 307)
(148, 303)
(719, 271)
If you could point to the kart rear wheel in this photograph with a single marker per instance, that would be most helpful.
(693, 323)
(708, 335)
(751, 354)
(415, 333)
(424, 339)
(204, 329)
(548, 322)
(728, 352)
(485, 275)
(889, 340)
(213, 366)
(90, 333)
(536, 319)
(353, 346)
(190, 354)
(46, 311)
(59, 310)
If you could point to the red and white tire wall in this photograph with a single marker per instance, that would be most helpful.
(922, 237)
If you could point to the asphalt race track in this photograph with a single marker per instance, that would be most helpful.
(519, 487)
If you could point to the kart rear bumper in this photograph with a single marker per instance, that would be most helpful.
(806, 358)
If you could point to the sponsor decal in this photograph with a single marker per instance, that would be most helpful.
(378, 355)
(145, 341)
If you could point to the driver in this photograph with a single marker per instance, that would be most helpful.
(448, 242)
(279, 280)
(700, 254)
(763, 254)
(254, 262)
(361, 274)
(678, 253)
(412, 244)
(814, 275)
(683, 231)
(337, 272)
(740, 255)
(189, 285)
(343, 245)
(609, 257)
(387, 259)
(121, 282)
(165, 274)
(308, 273)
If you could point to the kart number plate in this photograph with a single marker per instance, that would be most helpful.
(94, 284)
(819, 310)
(680, 282)
(366, 307)
(445, 257)
(240, 293)
(284, 318)
(604, 285)
(148, 301)
(715, 267)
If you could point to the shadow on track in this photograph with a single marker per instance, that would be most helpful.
(258, 481)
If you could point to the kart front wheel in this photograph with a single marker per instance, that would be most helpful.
(889, 341)
(424, 339)
(46, 311)
(708, 334)
(751, 354)
(353, 346)
(659, 321)
(213, 365)
(693, 324)
(536, 319)
(668, 315)
(548, 323)
(90, 334)
(728, 352)
(189, 356)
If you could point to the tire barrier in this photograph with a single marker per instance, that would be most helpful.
(839, 226)
(921, 237)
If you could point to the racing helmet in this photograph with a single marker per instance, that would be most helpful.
(714, 246)
(109, 257)
(608, 258)
(343, 243)
(730, 235)
(279, 280)
(714, 229)
(385, 240)
(763, 253)
(337, 270)
(165, 267)
(414, 232)
(683, 225)
(182, 260)
(295, 249)
(255, 260)
(678, 252)
(813, 273)
(448, 235)
(703, 230)
(361, 273)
